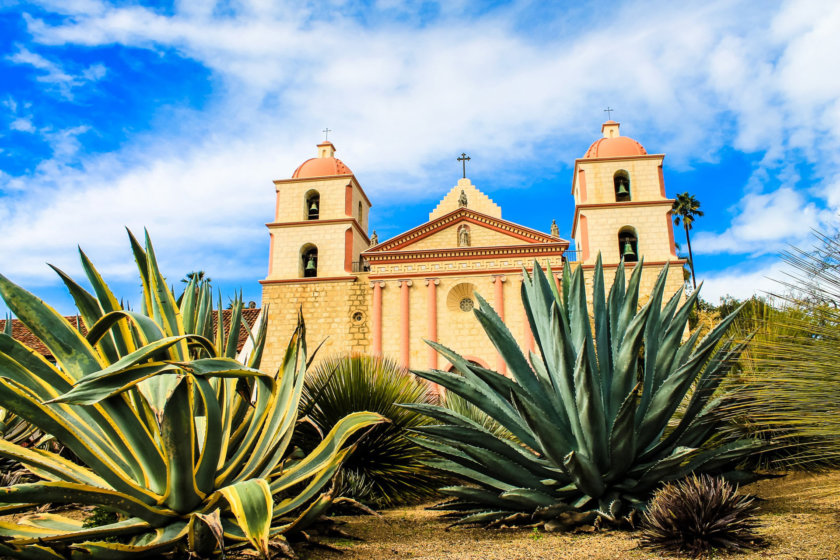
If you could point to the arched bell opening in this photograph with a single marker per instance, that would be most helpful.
(621, 182)
(312, 205)
(309, 261)
(628, 244)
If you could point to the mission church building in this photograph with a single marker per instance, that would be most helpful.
(384, 298)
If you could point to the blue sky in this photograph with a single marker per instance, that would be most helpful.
(177, 116)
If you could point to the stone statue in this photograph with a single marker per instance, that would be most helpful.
(374, 239)
(555, 231)
(463, 236)
(462, 200)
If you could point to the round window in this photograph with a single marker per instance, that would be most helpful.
(358, 317)
(466, 304)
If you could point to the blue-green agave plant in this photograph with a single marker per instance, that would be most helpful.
(593, 413)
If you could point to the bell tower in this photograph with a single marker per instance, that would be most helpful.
(320, 222)
(621, 209)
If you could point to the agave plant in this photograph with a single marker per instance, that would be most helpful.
(187, 444)
(592, 413)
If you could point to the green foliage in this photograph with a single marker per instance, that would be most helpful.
(386, 468)
(188, 445)
(593, 413)
(699, 515)
(100, 516)
(787, 390)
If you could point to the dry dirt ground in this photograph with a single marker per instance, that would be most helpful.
(800, 520)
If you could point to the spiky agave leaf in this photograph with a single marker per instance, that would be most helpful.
(592, 420)
(700, 514)
(152, 411)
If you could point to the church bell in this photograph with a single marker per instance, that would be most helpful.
(314, 207)
(628, 249)
(310, 264)
(622, 188)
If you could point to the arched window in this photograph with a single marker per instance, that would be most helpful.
(312, 208)
(309, 261)
(621, 181)
(360, 213)
(628, 244)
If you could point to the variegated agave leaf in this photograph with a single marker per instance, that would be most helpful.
(150, 404)
(590, 420)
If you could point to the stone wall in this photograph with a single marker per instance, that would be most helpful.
(329, 310)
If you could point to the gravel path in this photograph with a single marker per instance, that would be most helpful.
(800, 519)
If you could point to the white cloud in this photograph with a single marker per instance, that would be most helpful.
(188, 202)
(55, 74)
(764, 223)
(751, 278)
(22, 125)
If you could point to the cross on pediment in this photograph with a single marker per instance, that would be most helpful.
(464, 159)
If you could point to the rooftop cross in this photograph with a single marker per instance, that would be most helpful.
(326, 132)
(609, 111)
(464, 159)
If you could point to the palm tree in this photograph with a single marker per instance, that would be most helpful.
(198, 275)
(686, 208)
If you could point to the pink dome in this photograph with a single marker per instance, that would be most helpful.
(620, 146)
(613, 144)
(321, 167)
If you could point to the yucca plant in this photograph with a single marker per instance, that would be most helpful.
(593, 413)
(789, 389)
(698, 515)
(188, 445)
(386, 468)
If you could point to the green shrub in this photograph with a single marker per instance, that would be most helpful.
(787, 389)
(386, 468)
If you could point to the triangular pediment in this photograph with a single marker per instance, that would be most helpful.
(445, 232)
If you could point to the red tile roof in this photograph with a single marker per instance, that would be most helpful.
(24, 335)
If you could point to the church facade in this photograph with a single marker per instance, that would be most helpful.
(384, 297)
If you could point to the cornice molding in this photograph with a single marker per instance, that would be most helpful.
(463, 215)
(468, 253)
(303, 223)
(617, 205)
(309, 280)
